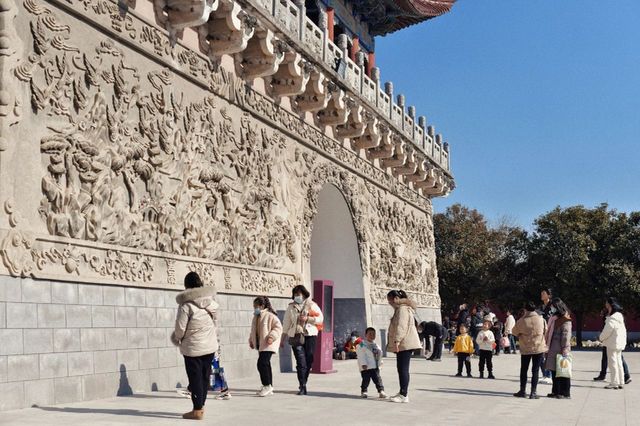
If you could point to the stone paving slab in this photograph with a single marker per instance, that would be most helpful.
(437, 398)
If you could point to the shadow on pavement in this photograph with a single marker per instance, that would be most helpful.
(319, 394)
(475, 392)
(122, 412)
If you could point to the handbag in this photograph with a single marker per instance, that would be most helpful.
(505, 342)
(564, 366)
(298, 338)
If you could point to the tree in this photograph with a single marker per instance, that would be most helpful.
(463, 253)
(585, 255)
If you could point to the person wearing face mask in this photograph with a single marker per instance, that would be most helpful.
(302, 322)
(351, 345)
(266, 331)
(403, 338)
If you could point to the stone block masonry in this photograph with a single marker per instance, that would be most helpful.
(66, 342)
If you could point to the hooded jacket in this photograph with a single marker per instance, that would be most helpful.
(560, 341)
(614, 334)
(195, 329)
(402, 329)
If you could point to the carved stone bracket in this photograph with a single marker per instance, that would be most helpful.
(227, 31)
(291, 78)
(315, 96)
(179, 14)
(261, 58)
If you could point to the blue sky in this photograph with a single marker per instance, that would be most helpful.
(540, 101)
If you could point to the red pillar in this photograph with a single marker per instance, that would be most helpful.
(355, 46)
(330, 22)
(371, 63)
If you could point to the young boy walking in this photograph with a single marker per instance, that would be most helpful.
(486, 341)
(463, 348)
(369, 362)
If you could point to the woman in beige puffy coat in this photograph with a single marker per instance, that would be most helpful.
(530, 330)
(266, 331)
(303, 320)
(196, 335)
(403, 338)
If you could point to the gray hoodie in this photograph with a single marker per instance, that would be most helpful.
(195, 330)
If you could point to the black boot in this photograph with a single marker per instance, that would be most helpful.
(520, 394)
(533, 395)
(481, 375)
(600, 378)
(303, 390)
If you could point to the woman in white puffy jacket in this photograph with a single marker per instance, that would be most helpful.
(614, 337)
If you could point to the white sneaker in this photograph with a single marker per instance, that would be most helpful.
(183, 392)
(224, 396)
(546, 380)
(382, 395)
(260, 390)
(400, 399)
(363, 395)
(266, 390)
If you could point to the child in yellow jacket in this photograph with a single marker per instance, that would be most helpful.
(463, 348)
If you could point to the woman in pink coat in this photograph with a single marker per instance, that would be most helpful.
(266, 331)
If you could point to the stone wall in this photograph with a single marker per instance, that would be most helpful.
(127, 160)
(66, 342)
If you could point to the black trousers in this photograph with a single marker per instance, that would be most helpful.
(304, 358)
(264, 368)
(486, 357)
(464, 359)
(561, 385)
(403, 359)
(437, 348)
(535, 361)
(198, 371)
(368, 376)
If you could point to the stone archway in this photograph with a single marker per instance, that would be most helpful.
(335, 256)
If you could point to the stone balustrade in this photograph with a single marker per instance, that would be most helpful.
(275, 40)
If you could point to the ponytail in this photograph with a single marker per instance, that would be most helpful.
(265, 303)
(400, 294)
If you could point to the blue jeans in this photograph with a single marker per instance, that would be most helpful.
(545, 373)
(512, 343)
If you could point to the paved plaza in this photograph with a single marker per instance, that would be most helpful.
(436, 398)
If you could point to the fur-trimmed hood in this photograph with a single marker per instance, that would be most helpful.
(202, 297)
(407, 302)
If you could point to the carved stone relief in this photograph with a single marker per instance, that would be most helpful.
(158, 176)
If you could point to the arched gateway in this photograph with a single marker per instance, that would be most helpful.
(251, 141)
